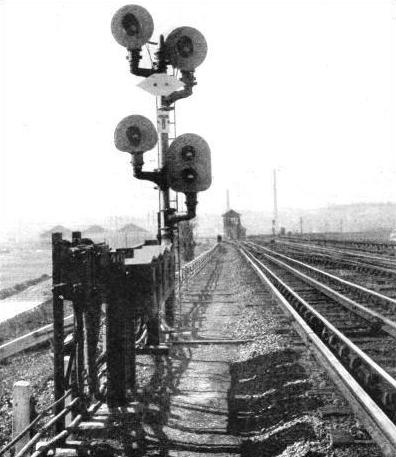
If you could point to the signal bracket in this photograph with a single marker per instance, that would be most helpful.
(134, 58)
(191, 204)
(157, 177)
(189, 81)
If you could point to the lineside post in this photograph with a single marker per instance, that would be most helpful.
(21, 401)
(116, 392)
(116, 329)
(130, 353)
(58, 313)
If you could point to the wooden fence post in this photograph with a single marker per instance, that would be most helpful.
(21, 398)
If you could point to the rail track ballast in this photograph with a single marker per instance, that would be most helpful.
(354, 340)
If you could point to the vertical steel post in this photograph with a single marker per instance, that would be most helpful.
(92, 328)
(115, 337)
(153, 324)
(78, 309)
(165, 232)
(170, 302)
(58, 315)
(79, 335)
(130, 353)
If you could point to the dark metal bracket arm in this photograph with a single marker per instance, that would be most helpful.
(188, 78)
(159, 178)
(134, 58)
(191, 204)
(155, 176)
(189, 82)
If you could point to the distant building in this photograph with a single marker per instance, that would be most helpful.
(93, 230)
(232, 226)
(132, 229)
(129, 235)
(46, 236)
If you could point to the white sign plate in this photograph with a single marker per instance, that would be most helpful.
(160, 84)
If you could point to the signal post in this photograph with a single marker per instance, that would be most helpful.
(184, 165)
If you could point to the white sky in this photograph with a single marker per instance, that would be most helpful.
(304, 86)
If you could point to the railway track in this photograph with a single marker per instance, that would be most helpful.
(362, 300)
(356, 342)
(376, 263)
(156, 418)
(362, 247)
(336, 259)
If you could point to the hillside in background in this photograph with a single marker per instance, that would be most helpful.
(357, 217)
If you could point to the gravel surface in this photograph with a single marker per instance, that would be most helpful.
(35, 367)
(280, 390)
(276, 391)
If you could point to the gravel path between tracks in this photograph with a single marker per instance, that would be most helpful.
(268, 397)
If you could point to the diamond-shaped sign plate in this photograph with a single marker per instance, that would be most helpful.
(161, 84)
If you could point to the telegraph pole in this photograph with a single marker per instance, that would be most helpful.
(275, 220)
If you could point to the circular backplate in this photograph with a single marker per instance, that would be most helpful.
(132, 26)
(188, 164)
(186, 48)
(135, 133)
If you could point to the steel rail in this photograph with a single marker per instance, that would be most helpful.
(335, 256)
(380, 371)
(353, 244)
(363, 254)
(388, 264)
(382, 428)
(388, 325)
(344, 282)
